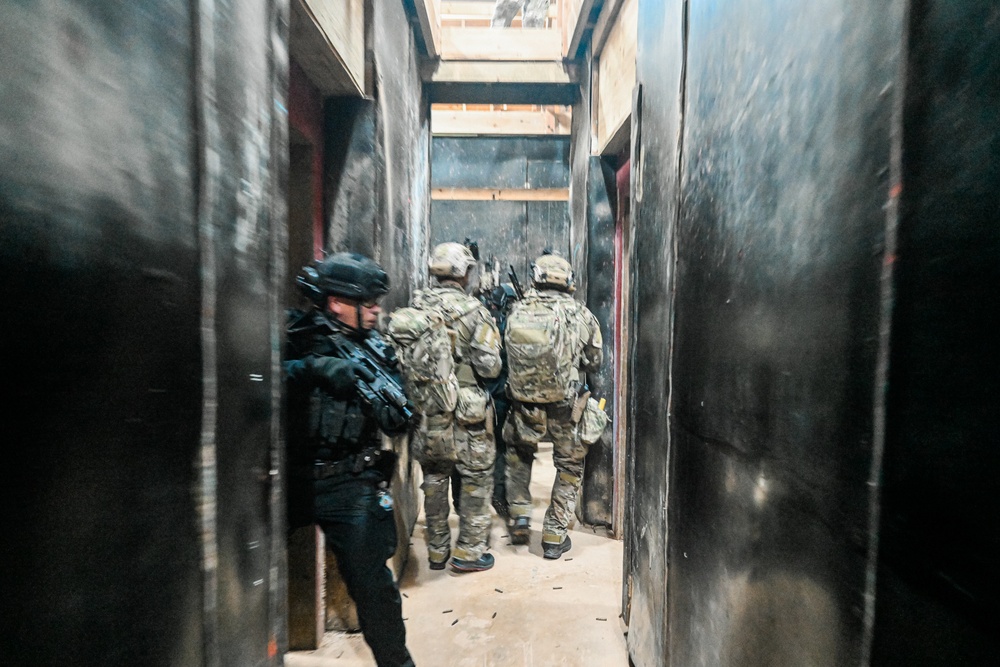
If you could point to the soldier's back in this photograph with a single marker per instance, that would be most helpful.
(461, 312)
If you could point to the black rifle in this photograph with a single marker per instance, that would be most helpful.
(514, 281)
(383, 389)
(372, 354)
(473, 247)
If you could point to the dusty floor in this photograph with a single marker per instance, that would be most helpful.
(525, 612)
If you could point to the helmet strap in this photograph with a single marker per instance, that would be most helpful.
(355, 330)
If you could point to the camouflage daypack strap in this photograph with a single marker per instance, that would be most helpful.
(429, 299)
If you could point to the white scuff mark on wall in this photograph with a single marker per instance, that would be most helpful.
(247, 233)
(419, 213)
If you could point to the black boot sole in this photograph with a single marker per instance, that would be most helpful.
(443, 564)
(553, 554)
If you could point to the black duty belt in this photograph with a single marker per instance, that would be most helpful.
(324, 469)
(353, 464)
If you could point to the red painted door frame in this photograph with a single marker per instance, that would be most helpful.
(622, 185)
(305, 114)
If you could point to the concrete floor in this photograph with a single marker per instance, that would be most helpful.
(525, 612)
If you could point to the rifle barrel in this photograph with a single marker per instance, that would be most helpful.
(516, 282)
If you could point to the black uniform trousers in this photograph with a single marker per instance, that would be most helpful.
(361, 532)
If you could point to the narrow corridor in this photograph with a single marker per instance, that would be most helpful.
(784, 216)
(525, 612)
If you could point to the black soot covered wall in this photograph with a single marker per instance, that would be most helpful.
(815, 426)
(142, 225)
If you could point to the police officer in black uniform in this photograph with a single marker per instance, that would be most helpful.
(338, 472)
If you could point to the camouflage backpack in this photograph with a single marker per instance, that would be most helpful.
(425, 353)
(541, 340)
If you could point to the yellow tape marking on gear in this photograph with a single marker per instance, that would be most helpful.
(486, 337)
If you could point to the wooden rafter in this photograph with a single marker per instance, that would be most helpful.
(430, 25)
(500, 44)
(488, 194)
(543, 121)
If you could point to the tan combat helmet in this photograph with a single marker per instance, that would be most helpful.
(554, 272)
(451, 260)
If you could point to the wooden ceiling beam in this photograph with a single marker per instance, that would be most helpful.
(501, 82)
(493, 71)
(509, 44)
(487, 194)
(454, 122)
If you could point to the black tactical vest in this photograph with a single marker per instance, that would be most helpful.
(319, 426)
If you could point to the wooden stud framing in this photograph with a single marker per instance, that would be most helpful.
(605, 21)
(615, 80)
(488, 194)
(428, 15)
(576, 17)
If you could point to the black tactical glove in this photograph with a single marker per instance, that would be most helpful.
(341, 375)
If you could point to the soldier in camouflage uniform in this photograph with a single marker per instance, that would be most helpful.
(549, 338)
(462, 439)
(534, 13)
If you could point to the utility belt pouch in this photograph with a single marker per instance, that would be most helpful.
(363, 460)
(472, 406)
(382, 461)
(466, 376)
(331, 417)
(593, 423)
(578, 406)
(530, 423)
(385, 463)
(477, 448)
(435, 440)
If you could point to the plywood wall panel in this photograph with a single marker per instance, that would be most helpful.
(616, 74)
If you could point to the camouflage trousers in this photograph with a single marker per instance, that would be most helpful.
(474, 456)
(535, 13)
(526, 426)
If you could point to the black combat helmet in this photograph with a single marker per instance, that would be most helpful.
(502, 296)
(345, 274)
